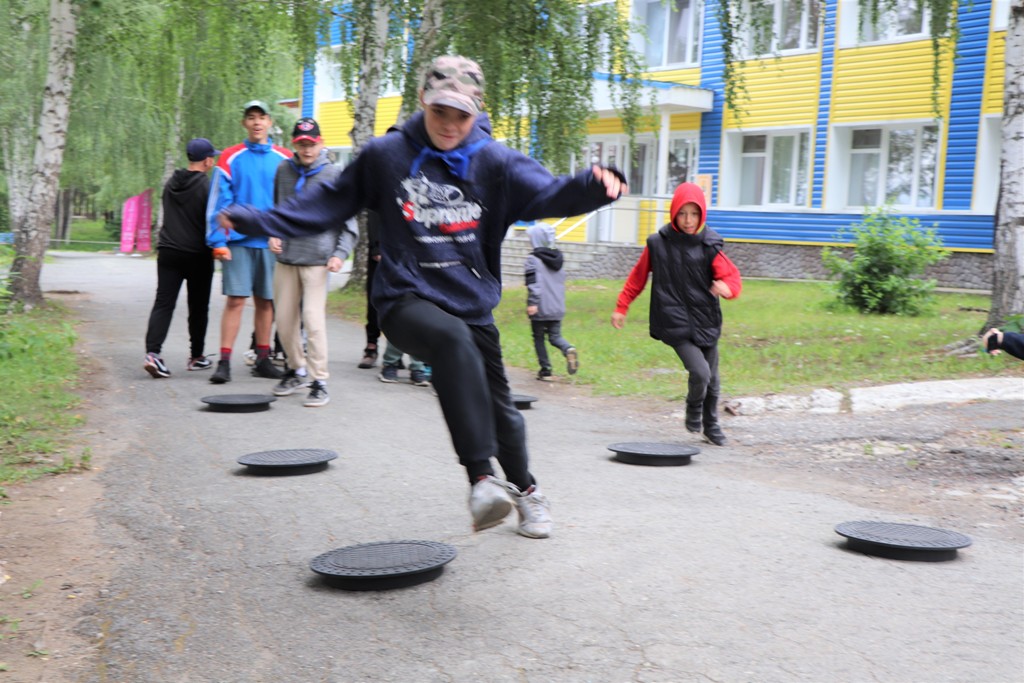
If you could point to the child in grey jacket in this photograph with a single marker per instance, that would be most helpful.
(303, 263)
(545, 299)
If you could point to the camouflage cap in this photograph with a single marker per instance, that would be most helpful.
(454, 81)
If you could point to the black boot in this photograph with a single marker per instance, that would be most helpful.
(693, 411)
(712, 432)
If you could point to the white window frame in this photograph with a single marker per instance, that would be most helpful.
(810, 29)
(851, 35)
(1000, 14)
(841, 166)
(327, 78)
(693, 154)
(693, 39)
(731, 193)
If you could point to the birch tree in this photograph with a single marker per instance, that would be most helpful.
(33, 233)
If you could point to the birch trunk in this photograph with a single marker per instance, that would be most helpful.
(425, 44)
(1008, 265)
(170, 154)
(31, 239)
(364, 115)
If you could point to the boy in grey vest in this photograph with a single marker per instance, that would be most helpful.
(545, 299)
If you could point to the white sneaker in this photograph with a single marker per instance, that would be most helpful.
(489, 503)
(534, 513)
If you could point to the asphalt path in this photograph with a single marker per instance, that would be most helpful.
(665, 574)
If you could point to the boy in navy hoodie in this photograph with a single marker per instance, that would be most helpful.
(689, 272)
(446, 193)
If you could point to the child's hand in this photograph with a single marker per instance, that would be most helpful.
(221, 254)
(531, 311)
(719, 288)
(275, 245)
(334, 264)
(613, 186)
(992, 348)
(225, 223)
(618, 320)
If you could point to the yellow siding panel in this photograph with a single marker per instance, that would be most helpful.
(577, 234)
(680, 76)
(887, 82)
(995, 73)
(650, 216)
(336, 120)
(684, 122)
(605, 127)
(781, 92)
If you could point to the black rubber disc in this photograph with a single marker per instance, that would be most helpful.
(285, 462)
(238, 403)
(522, 401)
(653, 454)
(902, 541)
(383, 565)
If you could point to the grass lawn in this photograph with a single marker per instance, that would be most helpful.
(88, 235)
(778, 337)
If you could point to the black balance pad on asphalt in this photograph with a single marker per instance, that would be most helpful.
(383, 565)
(286, 462)
(653, 454)
(522, 401)
(902, 541)
(238, 403)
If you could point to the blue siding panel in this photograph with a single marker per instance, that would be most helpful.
(712, 77)
(957, 231)
(308, 89)
(828, 48)
(965, 105)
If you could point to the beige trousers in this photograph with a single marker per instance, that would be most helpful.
(300, 294)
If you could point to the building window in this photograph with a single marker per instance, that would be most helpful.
(673, 31)
(900, 20)
(682, 162)
(781, 26)
(773, 169)
(894, 165)
(328, 77)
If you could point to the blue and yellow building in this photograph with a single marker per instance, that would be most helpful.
(839, 116)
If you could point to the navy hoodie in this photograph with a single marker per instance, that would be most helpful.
(440, 234)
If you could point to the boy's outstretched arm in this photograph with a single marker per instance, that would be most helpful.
(635, 283)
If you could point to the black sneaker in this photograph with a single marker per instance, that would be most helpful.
(572, 360)
(317, 395)
(389, 374)
(199, 363)
(545, 376)
(265, 368)
(155, 366)
(222, 375)
(418, 378)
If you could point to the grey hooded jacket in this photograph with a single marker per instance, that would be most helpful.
(545, 279)
(312, 250)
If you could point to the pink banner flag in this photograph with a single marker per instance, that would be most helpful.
(143, 233)
(129, 223)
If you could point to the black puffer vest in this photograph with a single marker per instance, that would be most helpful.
(682, 305)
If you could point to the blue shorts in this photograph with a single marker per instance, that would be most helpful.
(250, 272)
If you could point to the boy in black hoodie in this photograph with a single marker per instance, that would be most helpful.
(182, 256)
(446, 194)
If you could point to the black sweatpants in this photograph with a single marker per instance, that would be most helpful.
(372, 326)
(469, 377)
(172, 268)
(702, 365)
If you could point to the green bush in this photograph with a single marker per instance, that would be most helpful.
(889, 257)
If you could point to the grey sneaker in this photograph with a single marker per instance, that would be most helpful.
(290, 384)
(317, 395)
(489, 503)
(389, 374)
(418, 378)
(534, 513)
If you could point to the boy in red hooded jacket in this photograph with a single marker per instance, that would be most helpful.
(689, 273)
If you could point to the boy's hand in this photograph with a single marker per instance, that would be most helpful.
(618, 320)
(334, 263)
(613, 186)
(531, 311)
(275, 245)
(221, 254)
(719, 288)
(990, 347)
(225, 223)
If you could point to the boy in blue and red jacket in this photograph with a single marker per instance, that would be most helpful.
(690, 273)
(445, 193)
